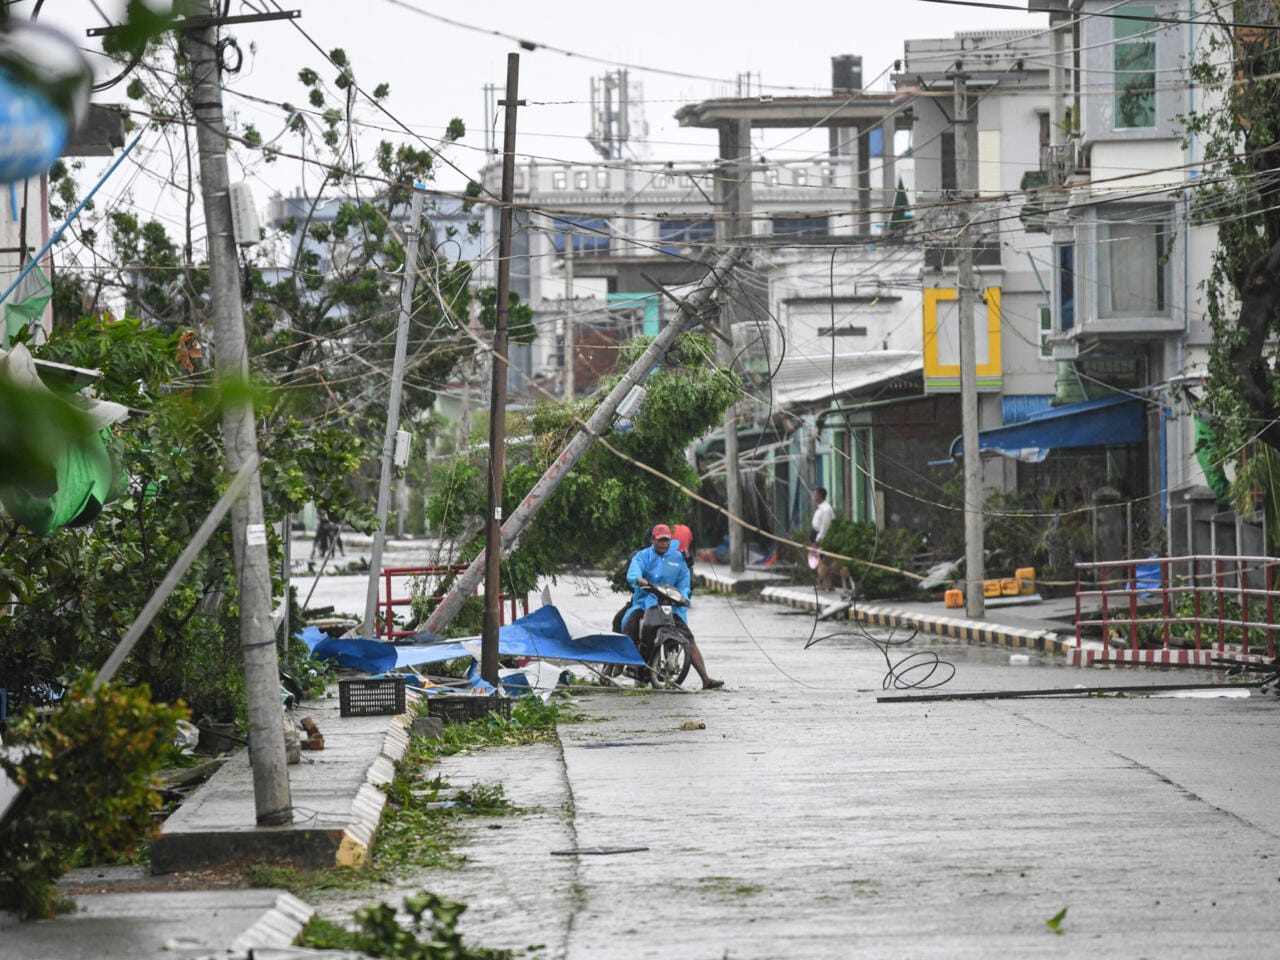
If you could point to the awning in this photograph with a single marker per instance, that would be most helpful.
(1108, 421)
(820, 378)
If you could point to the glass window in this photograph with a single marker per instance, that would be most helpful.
(1066, 287)
(582, 180)
(771, 178)
(1132, 269)
(590, 234)
(602, 179)
(675, 233)
(1135, 66)
(559, 180)
(802, 177)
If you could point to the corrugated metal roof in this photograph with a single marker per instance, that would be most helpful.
(816, 379)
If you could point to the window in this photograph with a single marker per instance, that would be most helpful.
(1046, 330)
(559, 180)
(590, 234)
(1066, 287)
(1132, 269)
(801, 177)
(801, 227)
(771, 177)
(1135, 66)
(582, 180)
(675, 233)
(828, 175)
(947, 144)
(602, 179)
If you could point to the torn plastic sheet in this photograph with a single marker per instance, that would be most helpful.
(542, 634)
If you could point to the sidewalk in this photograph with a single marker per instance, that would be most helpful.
(1045, 626)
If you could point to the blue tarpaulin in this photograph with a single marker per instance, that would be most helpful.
(1119, 418)
(542, 634)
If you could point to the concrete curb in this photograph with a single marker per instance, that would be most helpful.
(981, 632)
(336, 801)
(278, 927)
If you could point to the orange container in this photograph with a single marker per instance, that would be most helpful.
(1010, 588)
(954, 598)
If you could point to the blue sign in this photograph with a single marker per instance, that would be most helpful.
(32, 131)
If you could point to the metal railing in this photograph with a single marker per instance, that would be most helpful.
(432, 575)
(1223, 604)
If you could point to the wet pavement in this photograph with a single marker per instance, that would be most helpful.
(795, 814)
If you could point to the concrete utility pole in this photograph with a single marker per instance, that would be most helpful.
(569, 385)
(272, 801)
(498, 389)
(596, 426)
(974, 564)
(393, 414)
(733, 197)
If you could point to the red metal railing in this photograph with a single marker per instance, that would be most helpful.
(1231, 611)
(432, 575)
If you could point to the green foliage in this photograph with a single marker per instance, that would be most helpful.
(1238, 197)
(890, 548)
(431, 934)
(1054, 923)
(87, 774)
(600, 512)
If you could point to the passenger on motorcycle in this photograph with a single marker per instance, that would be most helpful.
(659, 564)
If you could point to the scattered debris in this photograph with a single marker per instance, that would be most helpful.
(693, 725)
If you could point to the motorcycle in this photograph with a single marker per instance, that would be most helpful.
(664, 639)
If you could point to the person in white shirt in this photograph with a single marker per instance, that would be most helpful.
(823, 514)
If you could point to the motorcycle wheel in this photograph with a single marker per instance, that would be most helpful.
(670, 662)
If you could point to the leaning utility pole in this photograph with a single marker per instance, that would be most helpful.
(393, 414)
(498, 388)
(974, 565)
(272, 801)
(596, 426)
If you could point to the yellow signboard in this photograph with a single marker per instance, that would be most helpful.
(942, 340)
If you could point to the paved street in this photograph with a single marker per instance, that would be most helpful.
(808, 820)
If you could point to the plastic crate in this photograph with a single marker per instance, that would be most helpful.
(461, 709)
(370, 697)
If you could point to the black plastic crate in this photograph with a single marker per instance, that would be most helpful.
(371, 696)
(461, 709)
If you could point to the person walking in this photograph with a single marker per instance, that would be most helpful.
(823, 514)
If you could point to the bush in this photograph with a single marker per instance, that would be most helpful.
(86, 774)
(889, 548)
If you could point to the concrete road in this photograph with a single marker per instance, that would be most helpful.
(807, 820)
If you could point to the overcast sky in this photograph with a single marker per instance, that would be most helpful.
(437, 70)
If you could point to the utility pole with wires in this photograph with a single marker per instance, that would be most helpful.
(367, 628)
(498, 389)
(974, 563)
(272, 802)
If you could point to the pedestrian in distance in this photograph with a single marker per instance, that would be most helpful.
(823, 514)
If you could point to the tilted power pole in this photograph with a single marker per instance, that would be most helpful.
(393, 414)
(596, 426)
(272, 801)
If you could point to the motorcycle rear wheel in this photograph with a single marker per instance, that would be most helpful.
(670, 662)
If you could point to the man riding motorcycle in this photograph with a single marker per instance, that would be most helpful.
(659, 564)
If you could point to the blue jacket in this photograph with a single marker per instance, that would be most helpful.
(668, 568)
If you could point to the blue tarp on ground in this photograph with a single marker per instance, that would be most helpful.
(541, 634)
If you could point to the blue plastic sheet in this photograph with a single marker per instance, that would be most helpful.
(542, 634)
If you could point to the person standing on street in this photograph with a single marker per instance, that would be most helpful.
(823, 514)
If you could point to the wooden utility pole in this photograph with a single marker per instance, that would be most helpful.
(393, 414)
(974, 563)
(498, 389)
(596, 426)
(272, 801)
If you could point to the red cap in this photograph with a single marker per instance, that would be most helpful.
(661, 531)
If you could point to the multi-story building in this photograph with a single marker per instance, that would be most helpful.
(1128, 258)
